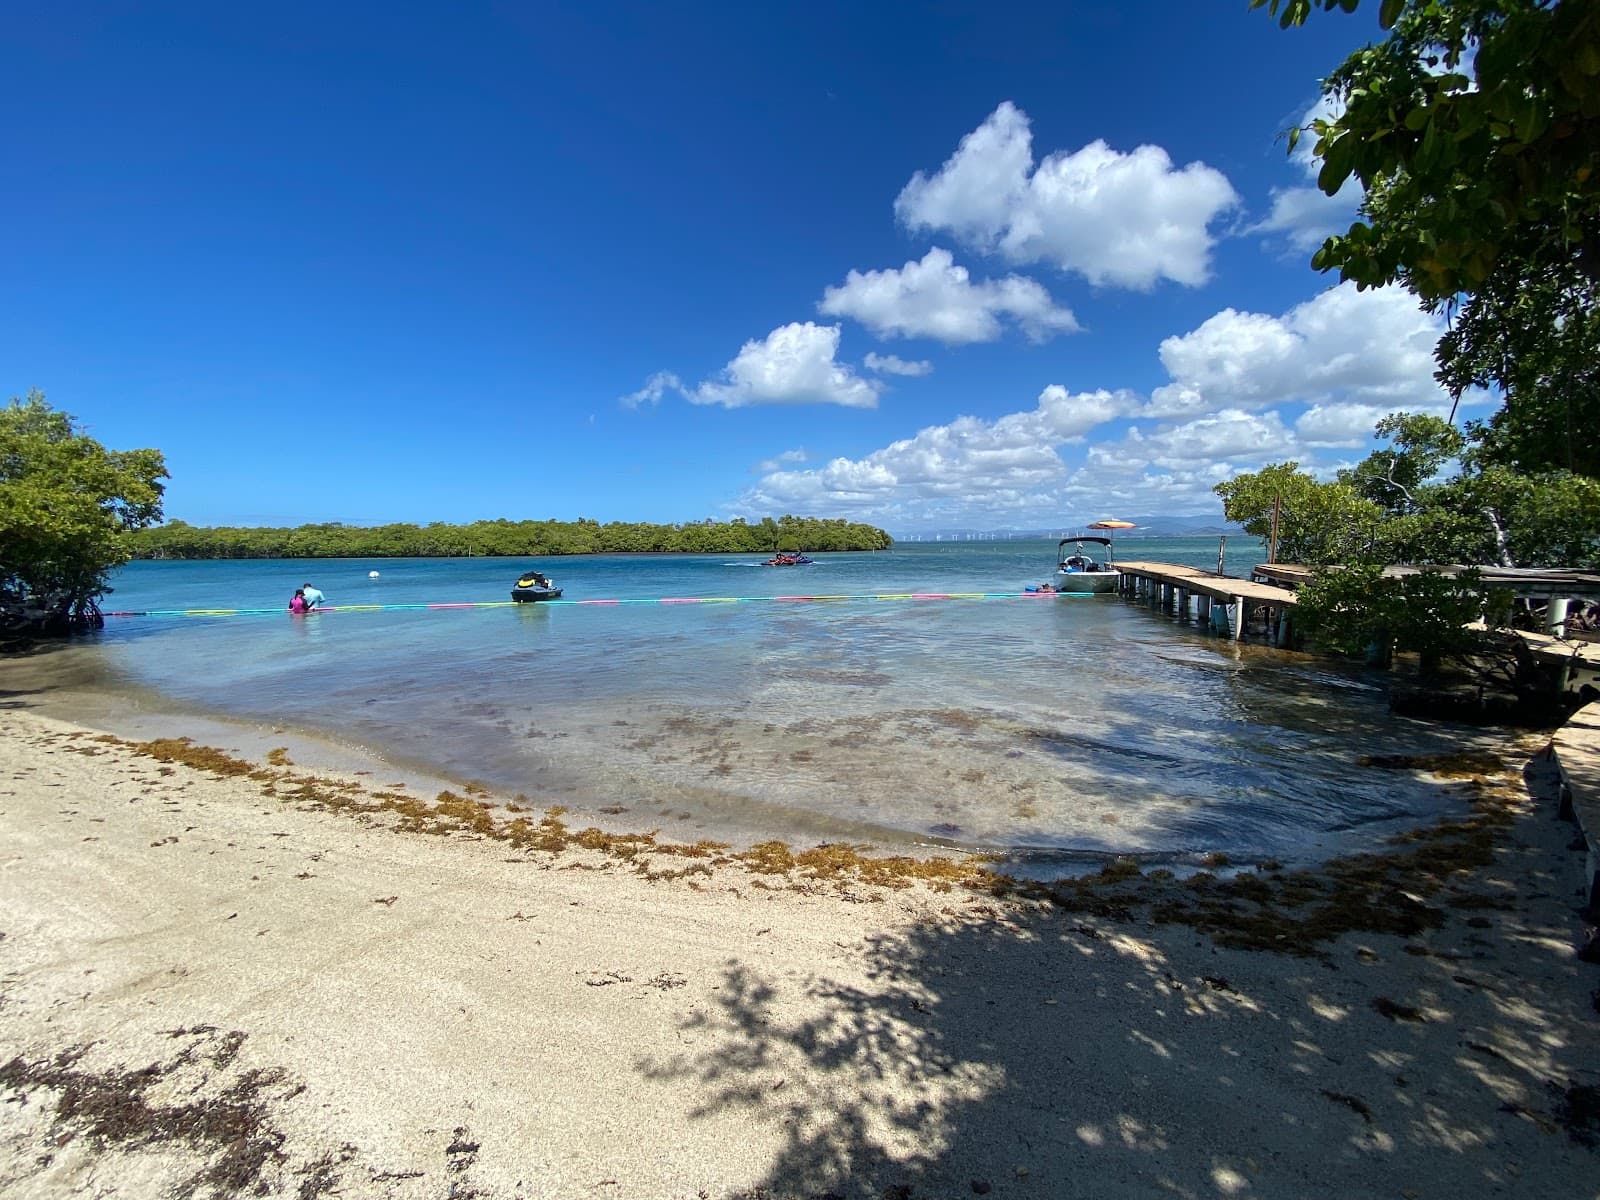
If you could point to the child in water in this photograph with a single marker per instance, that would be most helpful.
(298, 603)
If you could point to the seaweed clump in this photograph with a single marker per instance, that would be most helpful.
(451, 814)
(1396, 891)
(229, 1129)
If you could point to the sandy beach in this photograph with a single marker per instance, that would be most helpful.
(223, 975)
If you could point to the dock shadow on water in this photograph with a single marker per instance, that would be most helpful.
(1006, 1050)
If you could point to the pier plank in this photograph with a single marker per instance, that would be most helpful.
(1209, 583)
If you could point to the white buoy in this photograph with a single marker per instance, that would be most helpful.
(372, 574)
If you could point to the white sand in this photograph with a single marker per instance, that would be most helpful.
(446, 1017)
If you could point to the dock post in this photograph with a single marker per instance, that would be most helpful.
(1380, 651)
(1183, 604)
(1285, 626)
(1219, 617)
(1203, 607)
(1243, 616)
(1556, 618)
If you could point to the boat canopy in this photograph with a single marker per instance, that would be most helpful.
(1104, 541)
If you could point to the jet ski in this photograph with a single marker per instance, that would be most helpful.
(534, 585)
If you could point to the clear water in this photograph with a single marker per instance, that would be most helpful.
(1057, 727)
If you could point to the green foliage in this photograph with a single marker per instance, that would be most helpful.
(1474, 121)
(1532, 330)
(1317, 522)
(515, 539)
(67, 509)
(1429, 499)
(1547, 520)
(1419, 445)
(1351, 609)
(1475, 130)
(1426, 498)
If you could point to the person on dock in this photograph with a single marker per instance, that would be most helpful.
(313, 596)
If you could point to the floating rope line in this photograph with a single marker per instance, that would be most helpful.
(350, 608)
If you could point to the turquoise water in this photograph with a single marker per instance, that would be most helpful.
(1054, 727)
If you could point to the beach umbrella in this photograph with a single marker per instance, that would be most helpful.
(1113, 525)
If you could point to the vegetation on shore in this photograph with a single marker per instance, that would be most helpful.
(1473, 133)
(67, 506)
(71, 511)
(1432, 497)
(515, 539)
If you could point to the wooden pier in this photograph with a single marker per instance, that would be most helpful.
(1206, 596)
(1557, 586)
(1226, 602)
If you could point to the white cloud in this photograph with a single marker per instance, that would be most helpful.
(655, 387)
(893, 364)
(1173, 468)
(794, 364)
(1228, 436)
(1373, 347)
(1008, 465)
(1340, 426)
(936, 298)
(787, 458)
(1127, 220)
(1306, 216)
(1245, 389)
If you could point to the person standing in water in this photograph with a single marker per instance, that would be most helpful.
(297, 603)
(313, 597)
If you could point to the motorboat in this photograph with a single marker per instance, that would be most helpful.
(787, 560)
(534, 585)
(1084, 565)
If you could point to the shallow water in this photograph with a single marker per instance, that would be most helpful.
(1056, 727)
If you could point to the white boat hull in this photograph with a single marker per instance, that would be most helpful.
(1093, 582)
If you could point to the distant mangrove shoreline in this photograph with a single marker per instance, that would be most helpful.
(504, 539)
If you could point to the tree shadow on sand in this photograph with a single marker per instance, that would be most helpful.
(1023, 1049)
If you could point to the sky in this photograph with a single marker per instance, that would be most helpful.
(929, 266)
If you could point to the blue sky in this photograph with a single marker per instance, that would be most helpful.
(923, 265)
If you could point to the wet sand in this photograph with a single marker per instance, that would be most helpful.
(216, 984)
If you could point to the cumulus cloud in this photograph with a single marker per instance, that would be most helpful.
(1227, 436)
(1245, 389)
(1010, 463)
(1306, 216)
(1339, 426)
(794, 364)
(936, 298)
(1127, 220)
(893, 364)
(1373, 347)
